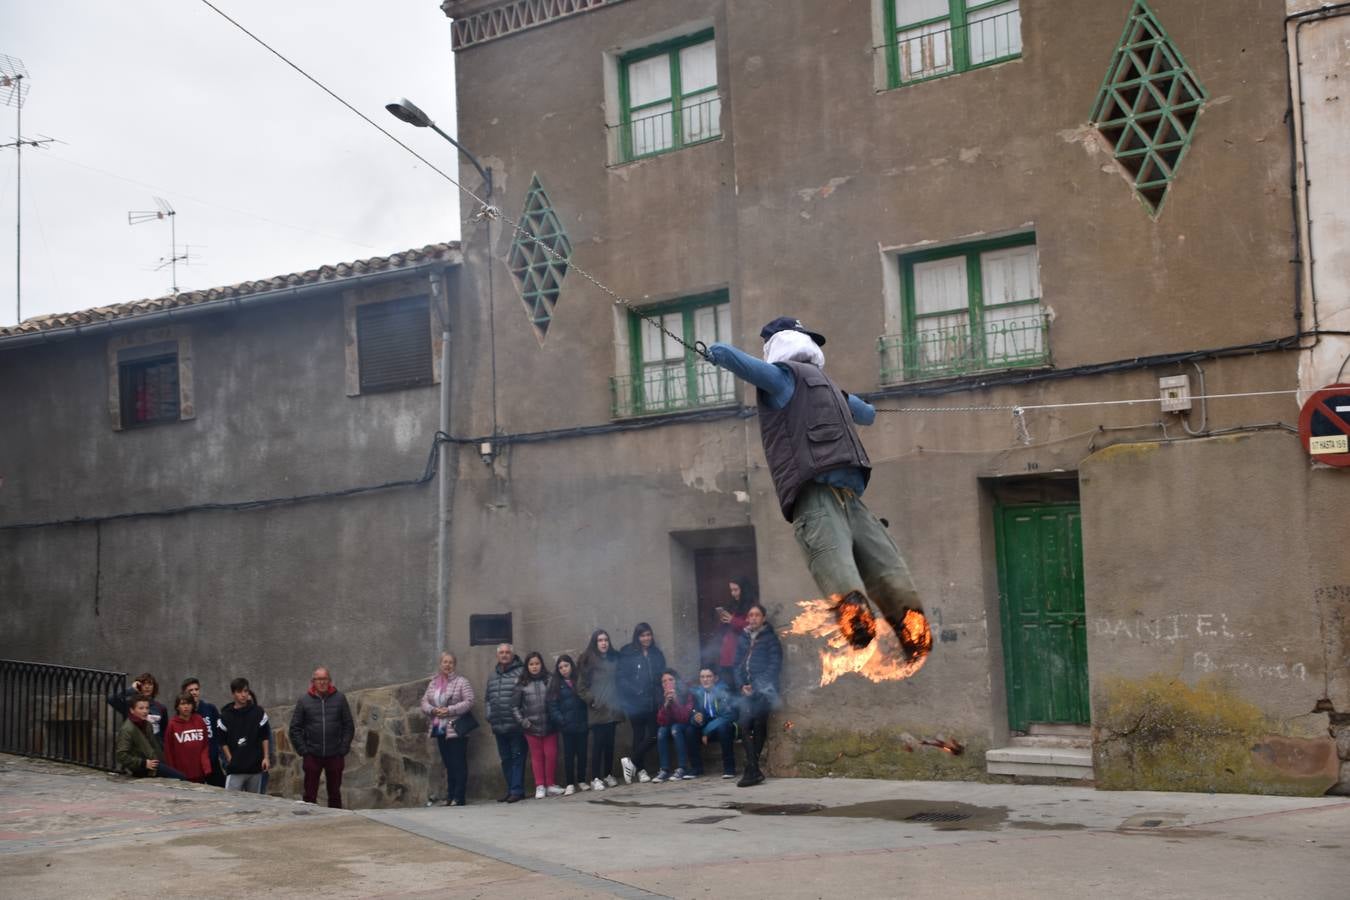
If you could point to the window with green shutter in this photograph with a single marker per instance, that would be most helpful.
(539, 257)
(668, 97)
(1147, 106)
(969, 308)
(930, 38)
(664, 376)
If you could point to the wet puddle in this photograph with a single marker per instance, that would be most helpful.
(942, 815)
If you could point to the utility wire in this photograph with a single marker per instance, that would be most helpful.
(373, 124)
(1023, 407)
(485, 210)
(428, 473)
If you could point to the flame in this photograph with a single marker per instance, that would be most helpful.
(955, 748)
(881, 660)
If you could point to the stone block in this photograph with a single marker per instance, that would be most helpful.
(1342, 734)
(409, 695)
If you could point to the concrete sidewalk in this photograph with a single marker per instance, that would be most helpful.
(67, 831)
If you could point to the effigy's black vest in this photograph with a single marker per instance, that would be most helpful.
(813, 434)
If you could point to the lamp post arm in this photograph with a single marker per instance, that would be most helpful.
(485, 173)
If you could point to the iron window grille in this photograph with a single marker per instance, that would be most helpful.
(928, 39)
(668, 97)
(148, 385)
(539, 274)
(972, 308)
(1147, 106)
(488, 629)
(665, 377)
(394, 344)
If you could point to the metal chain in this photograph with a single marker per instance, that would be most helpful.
(491, 212)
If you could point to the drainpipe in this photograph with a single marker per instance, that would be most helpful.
(441, 304)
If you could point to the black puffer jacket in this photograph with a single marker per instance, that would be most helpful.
(568, 711)
(639, 679)
(501, 689)
(321, 724)
(759, 660)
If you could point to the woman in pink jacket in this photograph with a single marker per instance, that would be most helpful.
(449, 696)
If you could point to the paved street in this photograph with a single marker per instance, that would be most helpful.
(67, 831)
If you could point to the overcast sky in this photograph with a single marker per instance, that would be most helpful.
(268, 174)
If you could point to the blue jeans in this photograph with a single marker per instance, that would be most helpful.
(511, 749)
(665, 736)
(725, 734)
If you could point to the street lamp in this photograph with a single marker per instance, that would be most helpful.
(405, 110)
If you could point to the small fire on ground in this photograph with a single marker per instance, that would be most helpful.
(881, 660)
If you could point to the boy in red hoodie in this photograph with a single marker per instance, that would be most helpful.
(187, 746)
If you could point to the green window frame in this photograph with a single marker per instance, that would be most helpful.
(688, 112)
(1148, 106)
(666, 377)
(969, 308)
(927, 39)
(539, 274)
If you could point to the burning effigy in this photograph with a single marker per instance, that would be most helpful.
(887, 657)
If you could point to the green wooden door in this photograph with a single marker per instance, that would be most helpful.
(1040, 574)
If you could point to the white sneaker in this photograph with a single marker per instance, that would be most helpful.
(643, 777)
(597, 785)
(583, 785)
(611, 781)
(554, 790)
(629, 770)
(569, 790)
(539, 792)
(661, 776)
(688, 776)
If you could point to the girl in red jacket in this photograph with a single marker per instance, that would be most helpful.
(186, 745)
(672, 720)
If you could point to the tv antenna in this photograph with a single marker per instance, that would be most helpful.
(165, 211)
(13, 90)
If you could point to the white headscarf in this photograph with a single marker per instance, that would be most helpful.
(792, 346)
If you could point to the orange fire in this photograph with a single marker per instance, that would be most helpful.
(881, 660)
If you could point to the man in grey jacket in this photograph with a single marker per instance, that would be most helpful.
(501, 716)
(321, 733)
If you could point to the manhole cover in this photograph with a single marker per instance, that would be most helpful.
(933, 816)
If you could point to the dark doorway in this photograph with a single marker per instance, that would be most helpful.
(714, 569)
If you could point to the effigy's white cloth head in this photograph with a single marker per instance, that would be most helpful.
(792, 346)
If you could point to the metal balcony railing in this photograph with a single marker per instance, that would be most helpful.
(59, 713)
(955, 349)
(671, 388)
(937, 49)
(651, 133)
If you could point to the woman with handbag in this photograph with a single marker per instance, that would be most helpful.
(448, 704)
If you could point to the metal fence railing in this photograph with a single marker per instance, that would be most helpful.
(666, 389)
(647, 134)
(59, 713)
(937, 48)
(954, 349)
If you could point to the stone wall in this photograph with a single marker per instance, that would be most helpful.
(393, 762)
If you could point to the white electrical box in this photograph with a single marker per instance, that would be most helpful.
(1175, 392)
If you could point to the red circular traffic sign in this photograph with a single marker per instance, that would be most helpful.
(1324, 425)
